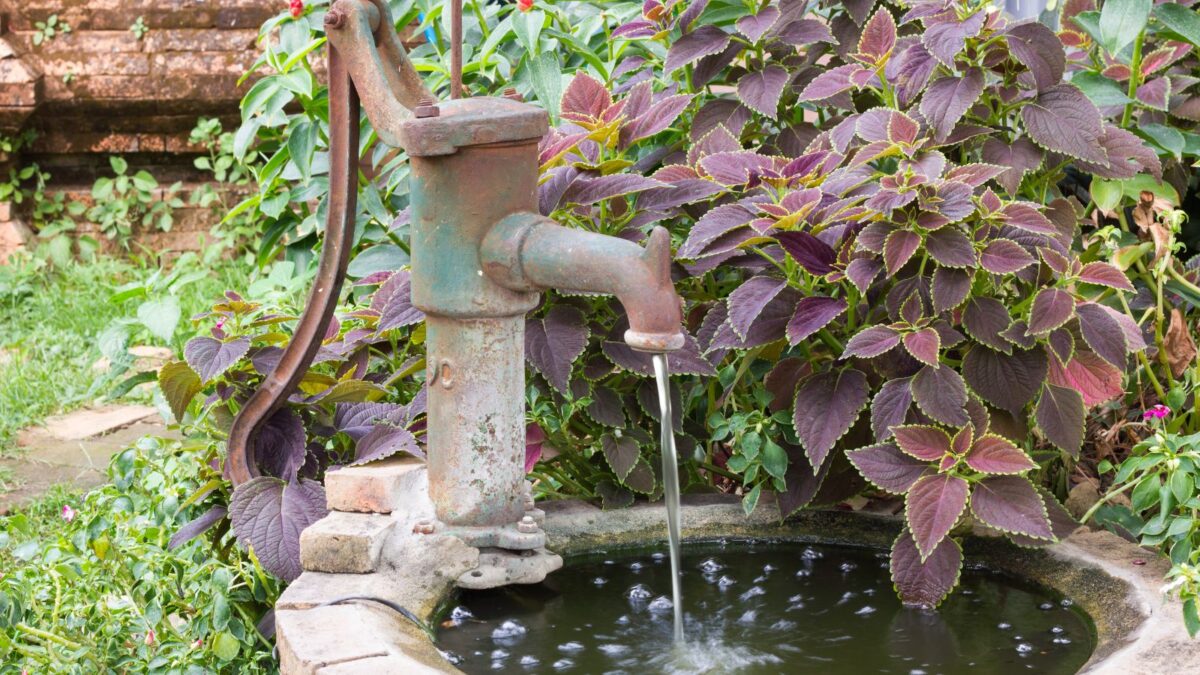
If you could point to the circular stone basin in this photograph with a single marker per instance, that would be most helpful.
(757, 606)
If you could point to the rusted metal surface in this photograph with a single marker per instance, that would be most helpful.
(526, 252)
(335, 255)
(471, 122)
(456, 53)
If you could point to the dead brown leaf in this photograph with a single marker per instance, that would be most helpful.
(1178, 342)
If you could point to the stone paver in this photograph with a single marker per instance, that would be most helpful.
(75, 449)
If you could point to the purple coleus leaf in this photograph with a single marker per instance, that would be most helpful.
(802, 483)
(279, 448)
(268, 516)
(1006, 381)
(986, 319)
(197, 527)
(398, 311)
(1052, 307)
(660, 116)
(1037, 48)
(383, 441)
(933, 506)
(950, 248)
(713, 225)
(949, 98)
(924, 580)
(941, 394)
(1102, 333)
(805, 32)
(585, 99)
(899, 248)
(535, 438)
(210, 357)
(812, 314)
(831, 83)
(998, 455)
(704, 41)
(950, 287)
(945, 34)
(924, 345)
(1064, 120)
(553, 343)
(754, 26)
(586, 191)
(890, 406)
(1095, 379)
(871, 342)
(878, 37)
(621, 453)
(1060, 417)
(1062, 523)
(921, 441)
(826, 406)
(1155, 94)
(1005, 256)
(357, 419)
(1020, 156)
(887, 468)
(1104, 274)
(809, 252)
(747, 301)
(1012, 505)
(762, 89)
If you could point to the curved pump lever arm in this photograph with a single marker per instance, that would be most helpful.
(389, 83)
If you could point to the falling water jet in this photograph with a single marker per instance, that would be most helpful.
(670, 486)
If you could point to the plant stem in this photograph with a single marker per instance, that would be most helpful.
(47, 636)
(1135, 79)
(1103, 500)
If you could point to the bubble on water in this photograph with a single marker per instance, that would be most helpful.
(754, 592)
(460, 614)
(1046, 606)
(636, 566)
(810, 553)
(1024, 648)
(760, 578)
(639, 592)
(658, 556)
(610, 562)
(796, 598)
(599, 581)
(1004, 625)
(726, 581)
(498, 665)
(967, 591)
(509, 631)
(564, 664)
(846, 597)
(661, 605)
(1066, 603)
(868, 592)
(614, 650)
(865, 610)
(848, 567)
(795, 607)
(499, 655)
(1057, 629)
(711, 566)
(623, 620)
(571, 647)
(768, 568)
(529, 660)
(917, 671)
(783, 625)
(453, 658)
(748, 617)
(1061, 640)
(803, 573)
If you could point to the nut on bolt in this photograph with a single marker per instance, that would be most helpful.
(427, 107)
(527, 525)
(425, 526)
(512, 95)
(335, 19)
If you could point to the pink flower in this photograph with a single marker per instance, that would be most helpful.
(297, 8)
(198, 644)
(67, 513)
(1158, 412)
(150, 637)
(524, 5)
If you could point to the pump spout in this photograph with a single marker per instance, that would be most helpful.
(527, 252)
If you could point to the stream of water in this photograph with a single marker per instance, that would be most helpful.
(670, 487)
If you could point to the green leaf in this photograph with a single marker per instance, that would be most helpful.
(179, 384)
(774, 459)
(1191, 616)
(1182, 486)
(1182, 21)
(1142, 182)
(750, 501)
(119, 165)
(1165, 137)
(225, 646)
(545, 74)
(1106, 193)
(1121, 21)
(301, 142)
(1145, 495)
(751, 444)
(160, 316)
(384, 257)
(1101, 90)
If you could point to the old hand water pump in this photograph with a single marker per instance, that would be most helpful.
(480, 255)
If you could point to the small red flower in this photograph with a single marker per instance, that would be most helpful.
(297, 8)
(151, 636)
(524, 5)
(1158, 412)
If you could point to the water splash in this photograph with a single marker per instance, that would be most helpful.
(670, 485)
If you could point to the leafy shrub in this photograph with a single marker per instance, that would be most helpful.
(91, 585)
(123, 202)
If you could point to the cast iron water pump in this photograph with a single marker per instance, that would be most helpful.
(480, 255)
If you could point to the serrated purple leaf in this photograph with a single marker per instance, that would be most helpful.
(1064, 120)
(1104, 274)
(1060, 415)
(385, 440)
(1037, 48)
(399, 311)
(809, 252)
(586, 191)
(826, 406)
(830, 83)
(933, 506)
(985, 319)
(268, 515)
(211, 357)
(1052, 307)
(356, 419)
(1102, 333)
(197, 527)
(871, 342)
(717, 222)
(553, 343)
(585, 99)
(1005, 256)
(878, 36)
(280, 446)
(1019, 157)
(805, 32)
(945, 35)
(1011, 504)
(890, 407)
(898, 248)
(923, 345)
(950, 287)
(924, 583)
(1006, 381)
(812, 314)
(994, 454)
(802, 482)
(704, 41)
(941, 394)
(660, 116)
(761, 90)
(886, 467)
(747, 301)
(754, 26)
(950, 248)
(949, 98)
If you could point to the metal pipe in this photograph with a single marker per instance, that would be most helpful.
(456, 55)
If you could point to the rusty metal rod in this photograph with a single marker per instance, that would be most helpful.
(456, 55)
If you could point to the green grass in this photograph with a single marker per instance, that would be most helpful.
(51, 320)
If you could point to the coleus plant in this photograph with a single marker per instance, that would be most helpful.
(898, 246)
(343, 414)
